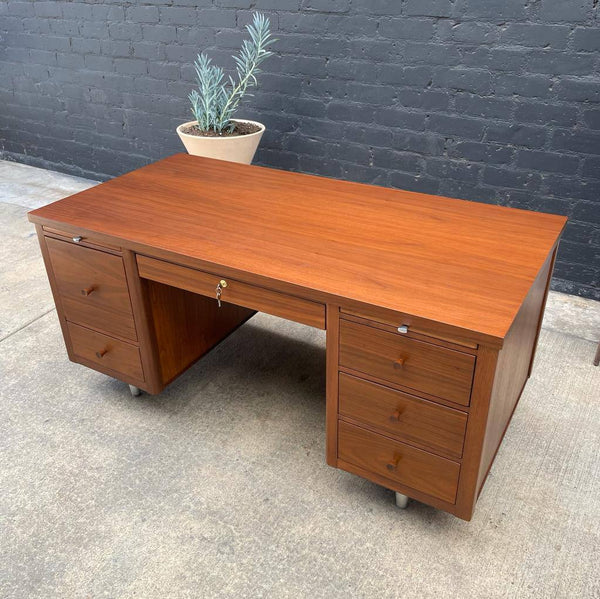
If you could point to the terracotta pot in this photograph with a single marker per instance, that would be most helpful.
(238, 148)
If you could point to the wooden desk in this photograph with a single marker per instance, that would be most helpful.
(432, 305)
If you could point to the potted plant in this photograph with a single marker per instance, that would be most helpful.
(215, 133)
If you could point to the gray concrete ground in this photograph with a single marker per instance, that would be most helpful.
(218, 487)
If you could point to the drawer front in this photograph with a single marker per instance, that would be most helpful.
(419, 326)
(416, 364)
(398, 462)
(236, 292)
(84, 240)
(106, 352)
(401, 415)
(92, 287)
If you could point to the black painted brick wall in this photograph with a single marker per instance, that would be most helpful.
(488, 100)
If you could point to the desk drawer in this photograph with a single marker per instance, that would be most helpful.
(236, 292)
(393, 357)
(398, 462)
(403, 416)
(93, 288)
(107, 353)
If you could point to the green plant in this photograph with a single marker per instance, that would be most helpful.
(216, 100)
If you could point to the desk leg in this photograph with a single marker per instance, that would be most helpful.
(401, 501)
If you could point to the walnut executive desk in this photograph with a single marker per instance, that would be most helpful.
(432, 305)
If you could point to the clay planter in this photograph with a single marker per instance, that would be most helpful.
(237, 148)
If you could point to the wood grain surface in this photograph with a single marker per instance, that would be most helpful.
(238, 293)
(93, 288)
(513, 369)
(187, 325)
(465, 264)
(404, 416)
(408, 465)
(332, 383)
(433, 369)
(106, 353)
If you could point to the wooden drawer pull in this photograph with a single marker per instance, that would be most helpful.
(395, 417)
(101, 353)
(399, 363)
(393, 465)
(87, 290)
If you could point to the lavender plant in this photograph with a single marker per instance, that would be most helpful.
(216, 99)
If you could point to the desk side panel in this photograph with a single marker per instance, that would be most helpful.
(513, 367)
(55, 293)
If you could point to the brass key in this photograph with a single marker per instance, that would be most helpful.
(222, 284)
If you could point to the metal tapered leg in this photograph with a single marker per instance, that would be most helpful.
(401, 501)
(135, 391)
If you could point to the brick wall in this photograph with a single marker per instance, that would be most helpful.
(488, 100)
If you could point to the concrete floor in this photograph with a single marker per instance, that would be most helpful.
(218, 487)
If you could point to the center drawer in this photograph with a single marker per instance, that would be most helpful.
(419, 365)
(93, 288)
(234, 292)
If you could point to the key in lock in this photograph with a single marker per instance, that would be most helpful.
(222, 284)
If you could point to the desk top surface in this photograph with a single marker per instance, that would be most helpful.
(465, 264)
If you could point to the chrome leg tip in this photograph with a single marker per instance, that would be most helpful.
(401, 501)
(135, 391)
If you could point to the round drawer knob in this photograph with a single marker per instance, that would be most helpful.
(399, 363)
(395, 417)
(393, 465)
(87, 290)
(101, 353)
